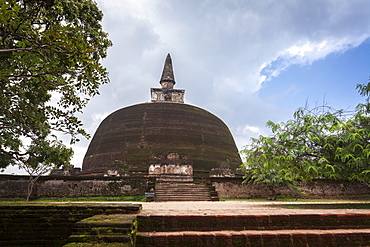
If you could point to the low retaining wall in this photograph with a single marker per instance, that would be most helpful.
(49, 224)
(234, 188)
(16, 186)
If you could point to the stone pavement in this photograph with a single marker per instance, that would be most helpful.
(250, 223)
(236, 208)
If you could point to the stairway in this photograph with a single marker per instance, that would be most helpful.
(182, 188)
(254, 230)
(49, 224)
(104, 230)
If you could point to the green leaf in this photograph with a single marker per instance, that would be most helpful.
(62, 50)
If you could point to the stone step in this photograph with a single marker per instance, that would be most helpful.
(186, 199)
(206, 194)
(254, 230)
(179, 192)
(185, 183)
(116, 228)
(182, 199)
(183, 190)
(99, 238)
(182, 185)
(175, 179)
(341, 237)
(183, 195)
(50, 224)
(174, 192)
(110, 231)
(186, 193)
(189, 191)
(252, 222)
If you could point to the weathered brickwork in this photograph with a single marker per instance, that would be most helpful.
(16, 186)
(128, 138)
(234, 188)
(254, 230)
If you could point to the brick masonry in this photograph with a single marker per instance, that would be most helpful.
(234, 188)
(16, 187)
(255, 230)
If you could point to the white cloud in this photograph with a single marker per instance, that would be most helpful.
(243, 134)
(308, 52)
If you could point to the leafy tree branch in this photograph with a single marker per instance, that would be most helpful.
(317, 143)
(47, 47)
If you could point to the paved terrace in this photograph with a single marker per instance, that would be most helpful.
(244, 223)
(238, 208)
(250, 223)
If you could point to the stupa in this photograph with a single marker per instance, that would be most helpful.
(165, 136)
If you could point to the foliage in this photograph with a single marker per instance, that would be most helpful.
(45, 156)
(50, 54)
(317, 143)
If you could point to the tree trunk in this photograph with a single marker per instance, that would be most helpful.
(31, 183)
(273, 193)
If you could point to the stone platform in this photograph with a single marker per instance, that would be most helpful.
(50, 224)
(195, 223)
(243, 223)
(237, 208)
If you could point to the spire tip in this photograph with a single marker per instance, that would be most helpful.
(167, 74)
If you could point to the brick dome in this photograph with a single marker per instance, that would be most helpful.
(132, 135)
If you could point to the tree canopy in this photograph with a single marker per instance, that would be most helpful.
(50, 66)
(316, 143)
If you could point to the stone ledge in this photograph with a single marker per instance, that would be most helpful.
(257, 238)
(252, 222)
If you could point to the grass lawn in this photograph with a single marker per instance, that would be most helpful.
(314, 203)
(80, 199)
(339, 205)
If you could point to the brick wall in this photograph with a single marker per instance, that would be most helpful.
(233, 188)
(16, 186)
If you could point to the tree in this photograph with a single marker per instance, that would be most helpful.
(294, 151)
(50, 66)
(46, 156)
(317, 143)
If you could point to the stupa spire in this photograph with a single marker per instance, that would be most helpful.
(168, 78)
(167, 93)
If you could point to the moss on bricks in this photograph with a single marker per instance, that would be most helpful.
(97, 245)
(51, 225)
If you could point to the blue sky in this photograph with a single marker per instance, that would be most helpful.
(246, 61)
(332, 79)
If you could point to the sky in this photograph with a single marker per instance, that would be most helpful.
(246, 61)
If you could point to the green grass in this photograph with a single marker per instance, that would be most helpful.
(341, 203)
(327, 206)
(283, 199)
(139, 198)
